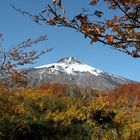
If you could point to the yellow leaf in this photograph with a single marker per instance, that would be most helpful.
(54, 1)
(59, 4)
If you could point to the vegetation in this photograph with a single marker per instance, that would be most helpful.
(45, 113)
(120, 31)
(60, 112)
(13, 58)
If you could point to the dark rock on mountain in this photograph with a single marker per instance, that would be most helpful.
(71, 71)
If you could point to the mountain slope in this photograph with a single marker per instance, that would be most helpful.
(71, 71)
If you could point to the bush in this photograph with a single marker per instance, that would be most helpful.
(35, 113)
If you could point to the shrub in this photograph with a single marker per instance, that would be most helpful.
(35, 113)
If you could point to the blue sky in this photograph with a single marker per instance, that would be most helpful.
(65, 42)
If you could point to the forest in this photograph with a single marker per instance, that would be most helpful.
(56, 111)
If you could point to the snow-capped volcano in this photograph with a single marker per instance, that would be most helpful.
(71, 65)
(70, 70)
(69, 60)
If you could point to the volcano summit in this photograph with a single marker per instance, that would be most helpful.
(71, 71)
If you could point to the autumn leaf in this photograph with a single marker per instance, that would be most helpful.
(94, 39)
(59, 4)
(116, 46)
(97, 30)
(98, 13)
(115, 28)
(110, 38)
(54, 1)
(88, 30)
(35, 19)
(116, 17)
(111, 23)
(123, 24)
(94, 2)
(124, 47)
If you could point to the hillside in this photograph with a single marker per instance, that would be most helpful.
(55, 111)
(72, 72)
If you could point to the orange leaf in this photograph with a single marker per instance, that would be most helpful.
(97, 30)
(116, 17)
(94, 39)
(111, 23)
(110, 38)
(88, 30)
(116, 46)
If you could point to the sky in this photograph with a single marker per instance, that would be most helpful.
(65, 42)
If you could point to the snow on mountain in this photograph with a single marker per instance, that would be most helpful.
(71, 71)
(71, 65)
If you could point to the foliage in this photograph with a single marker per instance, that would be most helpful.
(38, 113)
(120, 32)
(130, 92)
(22, 54)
